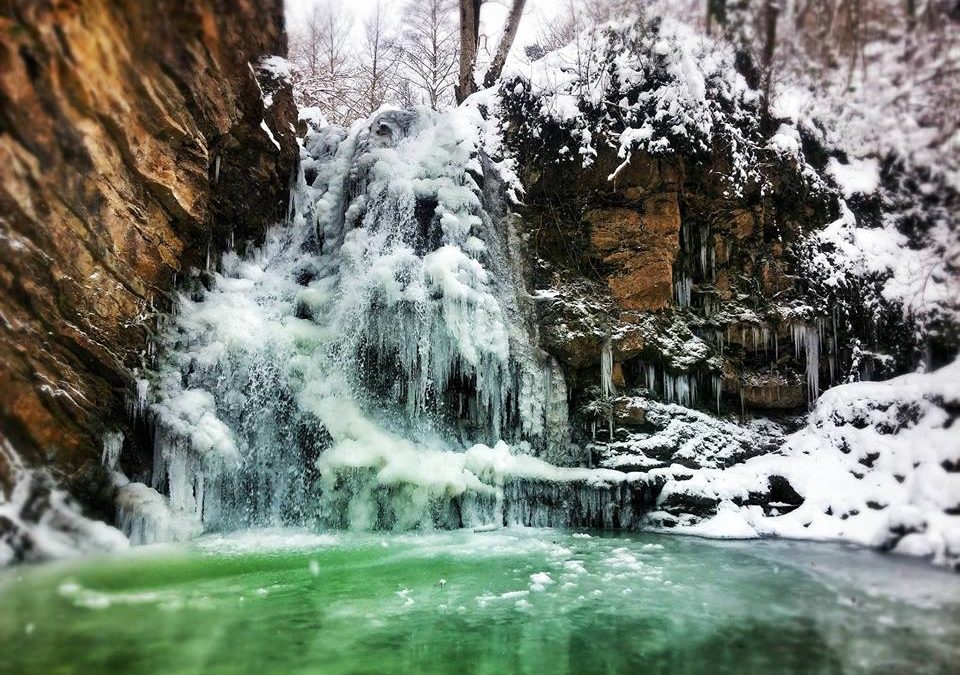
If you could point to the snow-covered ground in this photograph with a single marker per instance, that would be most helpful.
(878, 463)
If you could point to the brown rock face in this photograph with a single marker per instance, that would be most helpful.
(686, 274)
(130, 146)
(639, 245)
(773, 392)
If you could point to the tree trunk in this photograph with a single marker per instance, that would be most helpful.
(469, 37)
(770, 18)
(716, 11)
(509, 35)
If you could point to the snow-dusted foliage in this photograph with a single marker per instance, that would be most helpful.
(877, 98)
(647, 85)
(878, 464)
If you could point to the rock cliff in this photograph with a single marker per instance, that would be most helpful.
(131, 135)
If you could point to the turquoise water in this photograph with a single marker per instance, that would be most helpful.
(509, 601)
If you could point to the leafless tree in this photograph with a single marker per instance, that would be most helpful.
(325, 67)
(771, 16)
(429, 49)
(470, 44)
(378, 63)
(506, 42)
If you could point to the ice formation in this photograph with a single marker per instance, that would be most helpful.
(365, 365)
(39, 520)
(806, 340)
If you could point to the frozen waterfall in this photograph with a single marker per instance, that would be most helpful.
(369, 364)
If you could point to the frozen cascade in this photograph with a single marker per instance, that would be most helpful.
(368, 365)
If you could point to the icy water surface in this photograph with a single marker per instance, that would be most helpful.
(510, 601)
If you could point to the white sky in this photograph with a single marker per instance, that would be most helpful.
(493, 14)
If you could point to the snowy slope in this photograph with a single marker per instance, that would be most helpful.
(878, 464)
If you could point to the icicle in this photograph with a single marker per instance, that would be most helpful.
(683, 289)
(704, 240)
(143, 386)
(806, 339)
(798, 332)
(607, 389)
(812, 341)
(112, 445)
(679, 389)
(717, 386)
(216, 169)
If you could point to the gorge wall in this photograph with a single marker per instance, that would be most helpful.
(131, 136)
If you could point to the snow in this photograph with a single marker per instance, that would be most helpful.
(729, 523)
(786, 140)
(672, 94)
(269, 133)
(278, 67)
(857, 177)
(915, 279)
(872, 467)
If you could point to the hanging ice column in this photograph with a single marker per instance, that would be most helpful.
(806, 339)
(607, 390)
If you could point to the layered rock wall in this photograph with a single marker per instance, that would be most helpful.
(132, 135)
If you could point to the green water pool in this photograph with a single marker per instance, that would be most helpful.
(508, 601)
